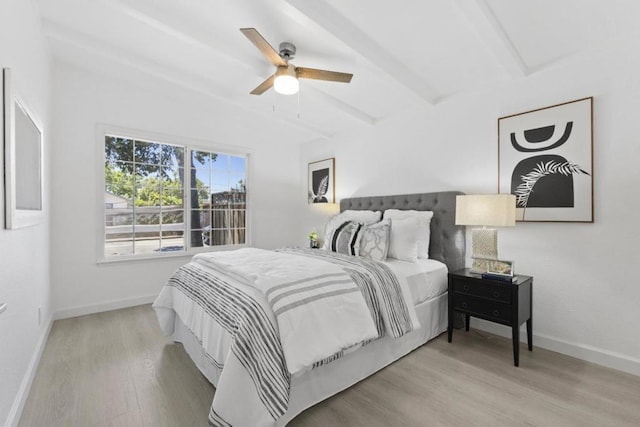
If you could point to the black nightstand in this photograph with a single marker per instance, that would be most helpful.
(494, 300)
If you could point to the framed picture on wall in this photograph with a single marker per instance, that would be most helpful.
(22, 159)
(321, 187)
(545, 158)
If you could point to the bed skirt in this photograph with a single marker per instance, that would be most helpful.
(311, 387)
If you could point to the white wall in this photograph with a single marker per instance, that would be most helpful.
(24, 253)
(83, 100)
(585, 290)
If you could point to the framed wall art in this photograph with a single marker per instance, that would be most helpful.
(545, 158)
(22, 159)
(321, 187)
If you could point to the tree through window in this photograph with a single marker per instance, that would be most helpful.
(147, 209)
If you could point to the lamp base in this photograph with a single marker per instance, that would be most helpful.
(480, 265)
(484, 242)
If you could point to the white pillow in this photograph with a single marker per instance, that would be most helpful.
(424, 232)
(363, 217)
(403, 243)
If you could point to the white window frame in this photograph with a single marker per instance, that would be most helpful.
(190, 144)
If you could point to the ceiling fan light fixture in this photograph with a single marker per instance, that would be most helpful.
(286, 81)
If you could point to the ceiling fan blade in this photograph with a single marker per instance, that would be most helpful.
(263, 46)
(332, 76)
(264, 86)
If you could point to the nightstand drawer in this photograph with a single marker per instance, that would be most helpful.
(482, 308)
(483, 290)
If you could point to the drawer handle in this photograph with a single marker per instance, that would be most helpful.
(465, 287)
(496, 313)
(463, 305)
(496, 294)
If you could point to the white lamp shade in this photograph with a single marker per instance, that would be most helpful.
(286, 81)
(496, 210)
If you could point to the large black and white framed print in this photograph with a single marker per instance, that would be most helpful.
(322, 181)
(545, 158)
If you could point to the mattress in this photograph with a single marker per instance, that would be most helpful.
(426, 278)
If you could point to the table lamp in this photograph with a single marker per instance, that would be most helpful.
(486, 210)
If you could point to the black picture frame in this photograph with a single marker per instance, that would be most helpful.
(545, 158)
(321, 181)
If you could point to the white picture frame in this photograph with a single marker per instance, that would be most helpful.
(23, 177)
(492, 266)
(502, 267)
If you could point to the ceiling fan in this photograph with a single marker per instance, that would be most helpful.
(285, 79)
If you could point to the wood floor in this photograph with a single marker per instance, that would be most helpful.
(116, 369)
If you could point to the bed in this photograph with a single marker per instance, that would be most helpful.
(235, 402)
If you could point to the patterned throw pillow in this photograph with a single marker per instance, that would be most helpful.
(343, 239)
(363, 217)
(373, 240)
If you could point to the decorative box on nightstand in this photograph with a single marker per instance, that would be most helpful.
(493, 300)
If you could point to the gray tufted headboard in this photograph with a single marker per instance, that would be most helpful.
(447, 239)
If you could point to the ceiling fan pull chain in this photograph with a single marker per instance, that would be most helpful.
(273, 100)
(298, 105)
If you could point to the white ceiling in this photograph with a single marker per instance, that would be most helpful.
(400, 52)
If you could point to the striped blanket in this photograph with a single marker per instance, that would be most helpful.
(306, 296)
(373, 276)
(284, 312)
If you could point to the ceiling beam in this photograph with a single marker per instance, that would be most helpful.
(187, 34)
(177, 77)
(491, 32)
(97, 47)
(335, 23)
(151, 17)
(335, 102)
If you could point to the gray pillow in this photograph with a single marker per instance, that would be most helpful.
(373, 240)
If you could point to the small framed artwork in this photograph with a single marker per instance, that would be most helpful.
(498, 266)
(321, 187)
(492, 266)
(22, 159)
(545, 158)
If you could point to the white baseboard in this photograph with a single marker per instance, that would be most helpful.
(25, 386)
(577, 350)
(66, 313)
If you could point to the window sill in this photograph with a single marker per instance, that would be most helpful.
(159, 257)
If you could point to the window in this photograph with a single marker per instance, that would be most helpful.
(156, 204)
(218, 199)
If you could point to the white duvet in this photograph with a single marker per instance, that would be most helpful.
(334, 319)
(318, 308)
